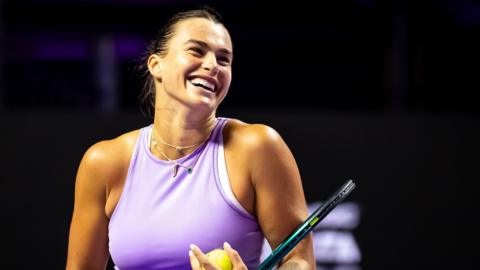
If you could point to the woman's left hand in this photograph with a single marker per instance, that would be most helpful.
(199, 261)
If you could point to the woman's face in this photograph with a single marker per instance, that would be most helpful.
(197, 68)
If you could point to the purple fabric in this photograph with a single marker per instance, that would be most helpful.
(158, 216)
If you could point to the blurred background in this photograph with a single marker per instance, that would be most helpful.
(383, 92)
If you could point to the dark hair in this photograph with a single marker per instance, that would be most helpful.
(158, 45)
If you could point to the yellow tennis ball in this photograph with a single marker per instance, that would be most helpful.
(220, 258)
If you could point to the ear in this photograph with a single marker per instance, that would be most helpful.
(155, 63)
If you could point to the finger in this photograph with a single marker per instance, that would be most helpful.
(235, 258)
(194, 261)
(203, 260)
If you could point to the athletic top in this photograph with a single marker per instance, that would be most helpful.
(159, 215)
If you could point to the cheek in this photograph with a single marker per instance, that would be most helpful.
(227, 78)
(182, 60)
(187, 64)
(226, 73)
(182, 67)
(188, 61)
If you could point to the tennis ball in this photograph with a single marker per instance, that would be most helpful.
(220, 259)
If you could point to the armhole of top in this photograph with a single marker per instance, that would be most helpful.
(224, 179)
(126, 185)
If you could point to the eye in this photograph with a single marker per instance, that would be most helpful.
(224, 61)
(196, 51)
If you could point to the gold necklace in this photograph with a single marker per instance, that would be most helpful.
(176, 165)
(179, 149)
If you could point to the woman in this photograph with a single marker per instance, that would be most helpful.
(154, 198)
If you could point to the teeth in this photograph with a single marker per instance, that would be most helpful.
(204, 83)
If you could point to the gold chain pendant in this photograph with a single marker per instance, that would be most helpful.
(175, 170)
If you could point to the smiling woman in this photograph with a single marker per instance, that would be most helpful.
(198, 60)
(155, 197)
(190, 46)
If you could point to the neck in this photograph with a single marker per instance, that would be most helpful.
(181, 128)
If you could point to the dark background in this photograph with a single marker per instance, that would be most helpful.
(384, 92)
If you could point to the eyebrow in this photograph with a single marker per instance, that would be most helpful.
(204, 44)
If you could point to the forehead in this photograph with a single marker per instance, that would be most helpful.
(214, 34)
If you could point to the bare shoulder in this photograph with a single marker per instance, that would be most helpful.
(260, 150)
(106, 160)
(102, 164)
(252, 136)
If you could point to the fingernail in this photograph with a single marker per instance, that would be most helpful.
(190, 253)
(195, 247)
(226, 245)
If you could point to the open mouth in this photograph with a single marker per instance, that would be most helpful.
(199, 82)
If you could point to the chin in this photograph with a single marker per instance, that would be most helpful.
(203, 102)
(203, 105)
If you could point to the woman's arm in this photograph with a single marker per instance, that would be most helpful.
(88, 239)
(280, 203)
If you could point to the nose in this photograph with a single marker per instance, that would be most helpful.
(210, 64)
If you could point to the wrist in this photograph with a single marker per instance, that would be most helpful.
(296, 264)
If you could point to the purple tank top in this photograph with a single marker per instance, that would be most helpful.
(158, 216)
